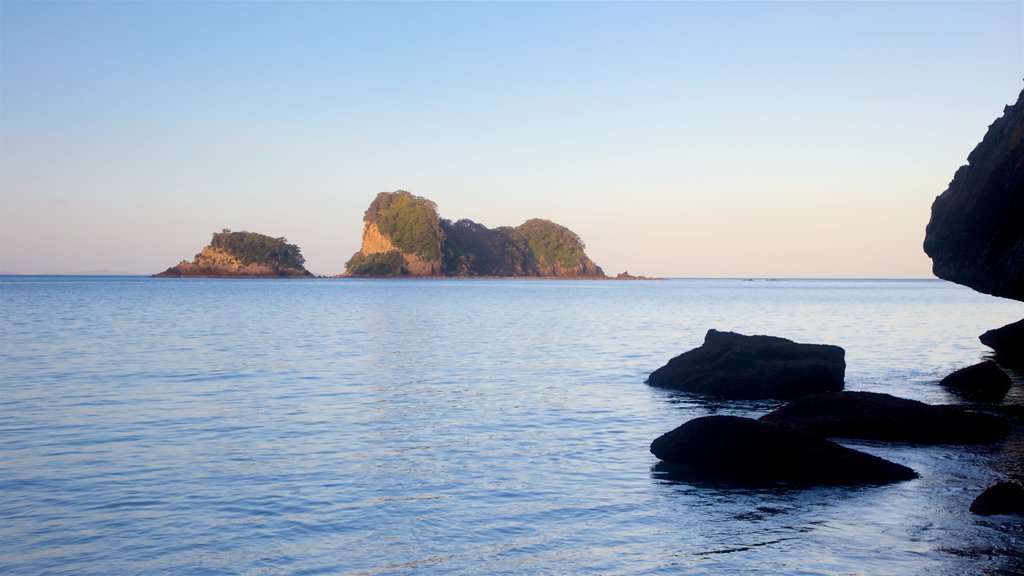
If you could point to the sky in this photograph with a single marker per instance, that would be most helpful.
(678, 139)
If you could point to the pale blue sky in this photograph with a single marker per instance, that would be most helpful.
(678, 139)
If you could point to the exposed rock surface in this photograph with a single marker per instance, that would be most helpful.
(1000, 498)
(982, 382)
(627, 276)
(404, 236)
(375, 242)
(735, 366)
(976, 233)
(242, 255)
(874, 416)
(1008, 343)
(730, 448)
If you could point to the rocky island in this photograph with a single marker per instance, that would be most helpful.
(403, 235)
(242, 255)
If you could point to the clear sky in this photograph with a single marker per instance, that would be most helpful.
(795, 139)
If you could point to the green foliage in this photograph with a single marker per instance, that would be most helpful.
(380, 264)
(472, 249)
(466, 248)
(253, 248)
(551, 243)
(411, 222)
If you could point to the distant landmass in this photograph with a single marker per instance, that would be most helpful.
(404, 236)
(242, 255)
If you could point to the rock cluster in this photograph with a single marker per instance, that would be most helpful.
(790, 444)
(975, 237)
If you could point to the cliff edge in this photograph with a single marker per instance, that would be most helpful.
(976, 233)
(242, 255)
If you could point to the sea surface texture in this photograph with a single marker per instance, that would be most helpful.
(455, 427)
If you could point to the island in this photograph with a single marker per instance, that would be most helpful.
(403, 236)
(242, 255)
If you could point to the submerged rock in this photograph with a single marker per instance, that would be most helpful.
(1000, 498)
(975, 236)
(874, 416)
(735, 366)
(734, 449)
(1008, 343)
(983, 382)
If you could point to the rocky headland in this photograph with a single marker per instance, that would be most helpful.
(976, 233)
(242, 255)
(403, 236)
(975, 237)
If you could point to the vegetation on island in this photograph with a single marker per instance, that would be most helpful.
(254, 248)
(410, 222)
(472, 249)
(551, 244)
(243, 255)
(417, 242)
(380, 264)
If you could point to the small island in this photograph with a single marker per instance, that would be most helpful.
(242, 255)
(404, 236)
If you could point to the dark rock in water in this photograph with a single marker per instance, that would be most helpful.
(735, 366)
(1008, 342)
(730, 448)
(874, 416)
(1000, 498)
(984, 382)
(976, 233)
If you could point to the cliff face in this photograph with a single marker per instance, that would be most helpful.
(375, 242)
(976, 233)
(404, 236)
(242, 255)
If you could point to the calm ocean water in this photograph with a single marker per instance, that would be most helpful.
(453, 427)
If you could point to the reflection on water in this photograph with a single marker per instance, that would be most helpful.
(454, 427)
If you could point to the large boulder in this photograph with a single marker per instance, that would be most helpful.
(1000, 498)
(982, 382)
(734, 449)
(874, 416)
(1008, 343)
(975, 236)
(735, 366)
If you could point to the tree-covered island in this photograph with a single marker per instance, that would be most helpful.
(404, 236)
(242, 255)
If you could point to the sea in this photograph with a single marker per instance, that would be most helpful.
(371, 427)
